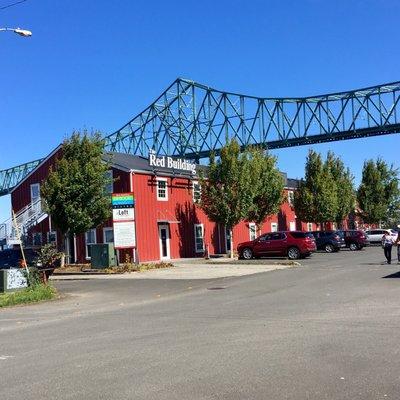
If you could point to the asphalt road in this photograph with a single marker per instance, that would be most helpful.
(327, 330)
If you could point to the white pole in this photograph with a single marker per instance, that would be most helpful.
(20, 242)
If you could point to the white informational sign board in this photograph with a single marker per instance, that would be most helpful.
(16, 279)
(124, 235)
(123, 214)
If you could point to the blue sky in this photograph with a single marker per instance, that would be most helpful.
(95, 64)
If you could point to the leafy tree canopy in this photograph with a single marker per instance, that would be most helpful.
(316, 199)
(75, 189)
(344, 187)
(267, 186)
(378, 195)
(241, 186)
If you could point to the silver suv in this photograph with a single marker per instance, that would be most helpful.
(375, 235)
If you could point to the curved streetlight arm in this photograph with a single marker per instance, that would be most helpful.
(18, 31)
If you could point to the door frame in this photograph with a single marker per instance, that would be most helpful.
(227, 242)
(168, 241)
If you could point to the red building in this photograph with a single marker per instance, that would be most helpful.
(168, 222)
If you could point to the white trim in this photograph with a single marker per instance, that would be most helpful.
(55, 237)
(37, 234)
(35, 185)
(110, 186)
(274, 227)
(196, 249)
(309, 226)
(166, 227)
(252, 229)
(194, 191)
(166, 189)
(86, 242)
(104, 234)
(36, 168)
(290, 197)
(292, 226)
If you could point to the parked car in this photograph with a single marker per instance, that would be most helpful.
(293, 244)
(375, 235)
(330, 241)
(12, 258)
(354, 239)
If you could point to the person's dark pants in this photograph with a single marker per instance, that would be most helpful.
(388, 253)
(398, 252)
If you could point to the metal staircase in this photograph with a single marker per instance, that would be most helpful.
(26, 218)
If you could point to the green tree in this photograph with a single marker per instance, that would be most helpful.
(226, 194)
(75, 190)
(378, 194)
(344, 187)
(316, 198)
(241, 186)
(267, 186)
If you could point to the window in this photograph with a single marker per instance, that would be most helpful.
(252, 230)
(274, 227)
(110, 185)
(52, 237)
(309, 226)
(108, 235)
(277, 236)
(263, 238)
(196, 192)
(292, 226)
(162, 189)
(199, 238)
(290, 197)
(35, 192)
(301, 235)
(90, 238)
(37, 238)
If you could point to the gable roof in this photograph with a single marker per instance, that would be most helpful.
(37, 167)
(129, 162)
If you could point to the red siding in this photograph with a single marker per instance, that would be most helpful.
(21, 195)
(180, 212)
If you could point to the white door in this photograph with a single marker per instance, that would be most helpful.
(163, 234)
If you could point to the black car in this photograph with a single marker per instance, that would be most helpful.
(329, 241)
(12, 258)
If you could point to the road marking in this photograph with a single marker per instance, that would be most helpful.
(2, 357)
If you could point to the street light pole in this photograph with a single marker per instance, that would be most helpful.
(18, 31)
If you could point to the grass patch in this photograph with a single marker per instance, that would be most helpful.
(29, 295)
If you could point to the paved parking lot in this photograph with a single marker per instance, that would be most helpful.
(326, 330)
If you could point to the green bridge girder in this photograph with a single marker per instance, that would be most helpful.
(192, 120)
(11, 176)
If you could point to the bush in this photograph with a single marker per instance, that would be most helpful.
(129, 267)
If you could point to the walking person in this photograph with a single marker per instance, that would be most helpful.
(387, 244)
(398, 246)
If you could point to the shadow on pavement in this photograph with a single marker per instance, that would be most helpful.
(395, 275)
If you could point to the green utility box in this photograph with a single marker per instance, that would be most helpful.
(103, 255)
(12, 279)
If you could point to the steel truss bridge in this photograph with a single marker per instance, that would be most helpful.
(192, 120)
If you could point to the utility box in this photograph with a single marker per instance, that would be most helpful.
(12, 279)
(103, 255)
